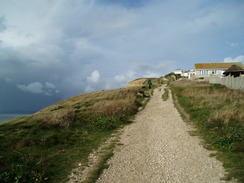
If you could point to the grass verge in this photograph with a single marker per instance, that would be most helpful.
(218, 114)
(102, 165)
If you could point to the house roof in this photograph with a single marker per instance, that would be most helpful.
(234, 68)
(223, 65)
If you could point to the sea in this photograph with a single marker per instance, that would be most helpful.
(7, 117)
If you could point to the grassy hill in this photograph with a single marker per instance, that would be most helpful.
(140, 82)
(44, 147)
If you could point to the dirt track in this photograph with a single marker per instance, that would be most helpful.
(157, 148)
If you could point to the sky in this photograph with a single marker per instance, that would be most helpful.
(54, 49)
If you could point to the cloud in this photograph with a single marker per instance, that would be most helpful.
(95, 76)
(96, 82)
(126, 3)
(233, 44)
(50, 85)
(89, 45)
(34, 87)
(237, 59)
(146, 70)
(39, 88)
(2, 23)
(8, 80)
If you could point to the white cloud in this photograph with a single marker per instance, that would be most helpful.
(35, 87)
(92, 83)
(120, 78)
(233, 44)
(137, 70)
(50, 85)
(237, 59)
(89, 89)
(39, 88)
(145, 70)
(95, 76)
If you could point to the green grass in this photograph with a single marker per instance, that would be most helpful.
(46, 146)
(218, 113)
(165, 95)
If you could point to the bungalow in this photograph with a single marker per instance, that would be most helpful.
(206, 70)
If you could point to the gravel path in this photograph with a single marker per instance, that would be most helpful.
(158, 149)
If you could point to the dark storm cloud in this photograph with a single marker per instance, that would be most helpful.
(62, 48)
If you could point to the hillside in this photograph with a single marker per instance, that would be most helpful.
(44, 147)
(141, 82)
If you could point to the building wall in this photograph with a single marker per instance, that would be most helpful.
(209, 72)
(178, 71)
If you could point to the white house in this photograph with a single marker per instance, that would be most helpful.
(191, 74)
(187, 74)
(178, 71)
(206, 70)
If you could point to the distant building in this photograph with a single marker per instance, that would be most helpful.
(186, 74)
(207, 70)
(178, 71)
(190, 74)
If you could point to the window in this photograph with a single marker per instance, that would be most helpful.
(203, 72)
(214, 71)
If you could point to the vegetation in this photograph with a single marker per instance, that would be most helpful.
(172, 77)
(102, 165)
(165, 95)
(45, 147)
(218, 113)
(143, 82)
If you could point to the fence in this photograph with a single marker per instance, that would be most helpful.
(230, 82)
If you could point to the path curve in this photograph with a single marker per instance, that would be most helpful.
(157, 148)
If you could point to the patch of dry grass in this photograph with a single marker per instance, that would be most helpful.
(109, 102)
(226, 105)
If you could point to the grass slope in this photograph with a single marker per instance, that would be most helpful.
(140, 82)
(45, 147)
(218, 113)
